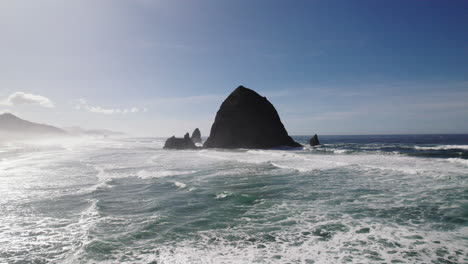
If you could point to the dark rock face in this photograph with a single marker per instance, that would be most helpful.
(248, 120)
(314, 141)
(180, 143)
(196, 136)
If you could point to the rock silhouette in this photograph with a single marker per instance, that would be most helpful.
(314, 141)
(196, 136)
(180, 143)
(248, 120)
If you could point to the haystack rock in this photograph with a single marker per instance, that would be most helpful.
(196, 136)
(248, 120)
(314, 141)
(180, 143)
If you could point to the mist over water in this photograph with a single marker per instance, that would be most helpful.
(355, 199)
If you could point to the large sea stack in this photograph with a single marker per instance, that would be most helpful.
(248, 120)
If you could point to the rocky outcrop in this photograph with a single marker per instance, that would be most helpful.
(196, 136)
(248, 120)
(180, 143)
(314, 141)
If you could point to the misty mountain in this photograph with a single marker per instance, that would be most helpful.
(13, 126)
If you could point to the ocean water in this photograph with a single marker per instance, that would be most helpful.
(355, 199)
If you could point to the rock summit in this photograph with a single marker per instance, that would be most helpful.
(248, 120)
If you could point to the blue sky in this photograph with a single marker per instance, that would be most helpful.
(163, 67)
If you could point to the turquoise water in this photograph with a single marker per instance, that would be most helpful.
(361, 199)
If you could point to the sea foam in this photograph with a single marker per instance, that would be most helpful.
(442, 147)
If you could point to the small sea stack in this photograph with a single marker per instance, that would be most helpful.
(314, 141)
(180, 143)
(196, 136)
(248, 120)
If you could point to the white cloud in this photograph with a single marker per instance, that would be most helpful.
(82, 104)
(21, 98)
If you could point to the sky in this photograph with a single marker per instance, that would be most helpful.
(163, 67)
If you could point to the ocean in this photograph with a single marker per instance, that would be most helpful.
(354, 199)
